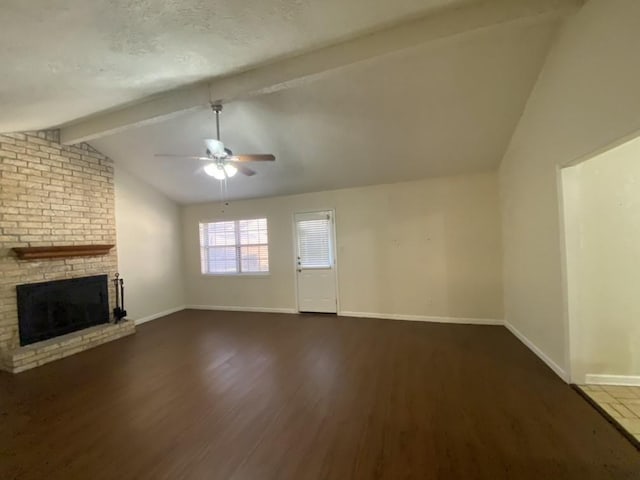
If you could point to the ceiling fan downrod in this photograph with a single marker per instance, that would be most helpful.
(217, 108)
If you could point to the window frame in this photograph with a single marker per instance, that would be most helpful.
(237, 246)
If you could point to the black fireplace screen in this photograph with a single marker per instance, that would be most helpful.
(50, 309)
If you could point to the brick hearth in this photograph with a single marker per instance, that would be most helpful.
(37, 354)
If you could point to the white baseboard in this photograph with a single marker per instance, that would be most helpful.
(232, 308)
(148, 318)
(543, 356)
(626, 380)
(423, 318)
(389, 316)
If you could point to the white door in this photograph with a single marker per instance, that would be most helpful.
(315, 262)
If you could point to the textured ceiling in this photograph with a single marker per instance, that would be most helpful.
(448, 107)
(65, 59)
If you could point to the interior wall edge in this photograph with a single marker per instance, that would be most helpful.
(155, 316)
(558, 370)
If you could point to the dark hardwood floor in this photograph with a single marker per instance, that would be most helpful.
(238, 396)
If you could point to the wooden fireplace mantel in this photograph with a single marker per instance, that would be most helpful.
(61, 251)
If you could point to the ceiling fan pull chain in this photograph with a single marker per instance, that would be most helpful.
(222, 191)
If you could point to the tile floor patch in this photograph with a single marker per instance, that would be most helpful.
(611, 409)
(621, 402)
(602, 397)
(631, 425)
(634, 407)
(624, 411)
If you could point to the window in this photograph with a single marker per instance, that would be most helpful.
(234, 247)
(314, 237)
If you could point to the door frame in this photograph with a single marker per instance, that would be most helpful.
(335, 254)
(568, 207)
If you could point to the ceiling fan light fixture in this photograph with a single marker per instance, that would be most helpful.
(230, 170)
(214, 170)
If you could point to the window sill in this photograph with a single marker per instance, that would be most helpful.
(237, 275)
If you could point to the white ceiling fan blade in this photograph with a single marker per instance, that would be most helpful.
(216, 147)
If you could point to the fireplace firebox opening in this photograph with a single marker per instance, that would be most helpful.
(50, 309)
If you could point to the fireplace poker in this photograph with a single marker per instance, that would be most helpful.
(119, 312)
(123, 312)
(117, 309)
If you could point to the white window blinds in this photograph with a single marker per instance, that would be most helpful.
(314, 242)
(232, 247)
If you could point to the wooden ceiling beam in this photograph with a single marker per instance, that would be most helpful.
(292, 71)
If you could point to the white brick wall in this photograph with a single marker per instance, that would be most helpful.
(50, 194)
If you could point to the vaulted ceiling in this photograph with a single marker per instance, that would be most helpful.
(64, 59)
(345, 93)
(436, 110)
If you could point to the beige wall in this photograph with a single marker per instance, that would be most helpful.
(149, 237)
(605, 264)
(587, 97)
(424, 248)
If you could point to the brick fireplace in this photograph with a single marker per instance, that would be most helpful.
(52, 195)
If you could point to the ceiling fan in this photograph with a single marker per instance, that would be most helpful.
(223, 163)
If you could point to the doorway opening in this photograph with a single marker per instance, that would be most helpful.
(600, 212)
